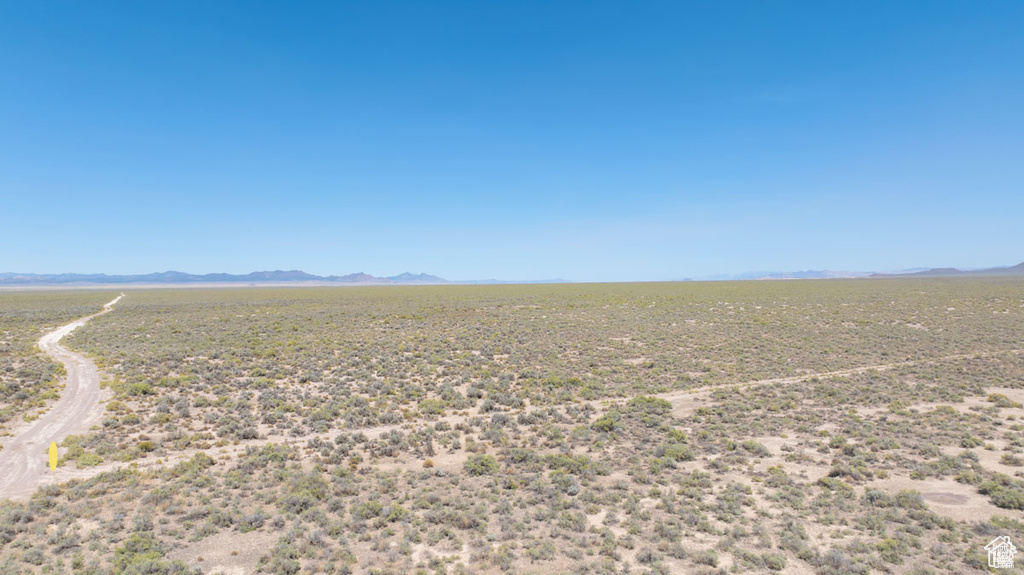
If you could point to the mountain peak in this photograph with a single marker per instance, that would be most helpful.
(420, 277)
(1016, 270)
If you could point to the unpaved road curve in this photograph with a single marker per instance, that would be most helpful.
(23, 460)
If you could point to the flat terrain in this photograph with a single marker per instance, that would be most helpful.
(800, 427)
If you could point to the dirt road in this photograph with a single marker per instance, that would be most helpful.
(23, 459)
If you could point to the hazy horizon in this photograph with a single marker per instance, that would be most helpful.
(585, 141)
(749, 274)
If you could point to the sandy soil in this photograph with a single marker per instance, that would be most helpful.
(227, 552)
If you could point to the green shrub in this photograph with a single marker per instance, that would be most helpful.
(676, 436)
(968, 476)
(573, 521)
(142, 554)
(431, 407)
(566, 483)
(270, 455)
(282, 560)
(968, 441)
(675, 452)
(137, 389)
(1004, 491)
(1001, 400)
(519, 455)
(877, 498)
(89, 460)
(367, 510)
(481, 465)
(33, 556)
(650, 405)
(1011, 460)
(892, 550)
(395, 513)
(755, 448)
(574, 464)
(540, 550)
(909, 499)
(608, 422)
(706, 557)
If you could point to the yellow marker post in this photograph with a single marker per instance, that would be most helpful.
(53, 456)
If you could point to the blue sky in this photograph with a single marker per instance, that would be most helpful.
(594, 141)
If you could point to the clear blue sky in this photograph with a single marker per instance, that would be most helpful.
(519, 140)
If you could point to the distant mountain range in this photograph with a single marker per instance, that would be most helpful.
(360, 278)
(173, 277)
(802, 275)
(1017, 270)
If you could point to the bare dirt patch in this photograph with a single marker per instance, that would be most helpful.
(948, 498)
(228, 552)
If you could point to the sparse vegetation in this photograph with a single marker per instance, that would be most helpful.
(662, 428)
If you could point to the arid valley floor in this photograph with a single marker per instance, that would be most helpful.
(819, 427)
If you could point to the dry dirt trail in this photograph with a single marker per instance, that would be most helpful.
(23, 460)
(678, 395)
